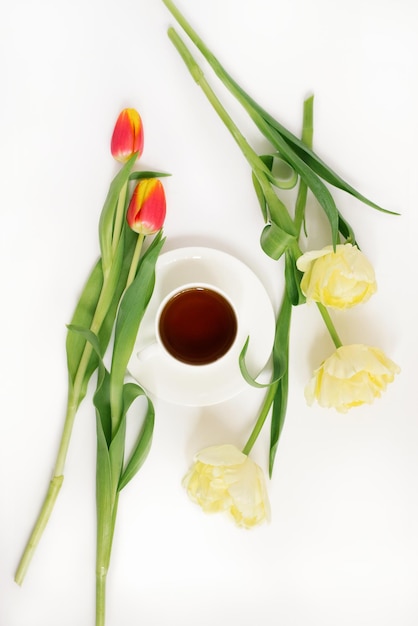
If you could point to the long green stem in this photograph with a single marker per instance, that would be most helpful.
(101, 579)
(330, 325)
(75, 391)
(58, 477)
(73, 402)
(120, 214)
(103, 554)
(37, 532)
(279, 213)
(135, 260)
(264, 411)
(307, 138)
(259, 117)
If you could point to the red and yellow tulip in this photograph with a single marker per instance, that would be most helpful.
(147, 208)
(128, 136)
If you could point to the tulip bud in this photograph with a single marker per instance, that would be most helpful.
(128, 136)
(147, 208)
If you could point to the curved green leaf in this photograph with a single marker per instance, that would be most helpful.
(244, 370)
(85, 310)
(315, 184)
(260, 197)
(104, 497)
(293, 276)
(280, 367)
(82, 317)
(346, 230)
(278, 416)
(107, 216)
(143, 442)
(131, 311)
(147, 174)
(275, 241)
(264, 120)
(283, 176)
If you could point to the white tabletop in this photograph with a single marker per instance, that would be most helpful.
(342, 546)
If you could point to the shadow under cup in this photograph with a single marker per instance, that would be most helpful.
(197, 325)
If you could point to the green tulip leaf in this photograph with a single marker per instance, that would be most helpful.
(270, 126)
(278, 417)
(280, 372)
(260, 197)
(143, 442)
(282, 176)
(82, 317)
(275, 241)
(293, 276)
(346, 230)
(131, 311)
(85, 310)
(105, 500)
(107, 216)
(111, 447)
(244, 370)
(147, 174)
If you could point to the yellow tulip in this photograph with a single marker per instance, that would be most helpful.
(339, 279)
(354, 375)
(224, 479)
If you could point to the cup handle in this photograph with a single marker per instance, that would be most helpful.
(148, 351)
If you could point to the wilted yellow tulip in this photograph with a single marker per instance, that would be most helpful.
(354, 375)
(223, 478)
(339, 279)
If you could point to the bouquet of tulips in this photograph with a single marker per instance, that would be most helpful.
(224, 478)
(113, 301)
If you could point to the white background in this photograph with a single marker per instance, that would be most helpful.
(342, 547)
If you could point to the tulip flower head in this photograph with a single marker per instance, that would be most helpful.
(128, 136)
(147, 208)
(338, 279)
(224, 479)
(354, 375)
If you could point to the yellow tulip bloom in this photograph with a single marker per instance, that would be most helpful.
(339, 279)
(224, 479)
(354, 375)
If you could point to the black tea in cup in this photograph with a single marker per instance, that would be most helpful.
(197, 325)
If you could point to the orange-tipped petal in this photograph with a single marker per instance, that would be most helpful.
(147, 208)
(128, 136)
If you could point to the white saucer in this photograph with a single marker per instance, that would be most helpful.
(204, 385)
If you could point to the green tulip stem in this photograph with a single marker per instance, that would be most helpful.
(39, 527)
(330, 325)
(103, 553)
(120, 214)
(101, 578)
(73, 402)
(279, 213)
(307, 138)
(135, 260)
(264, 411)
(58, 475)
